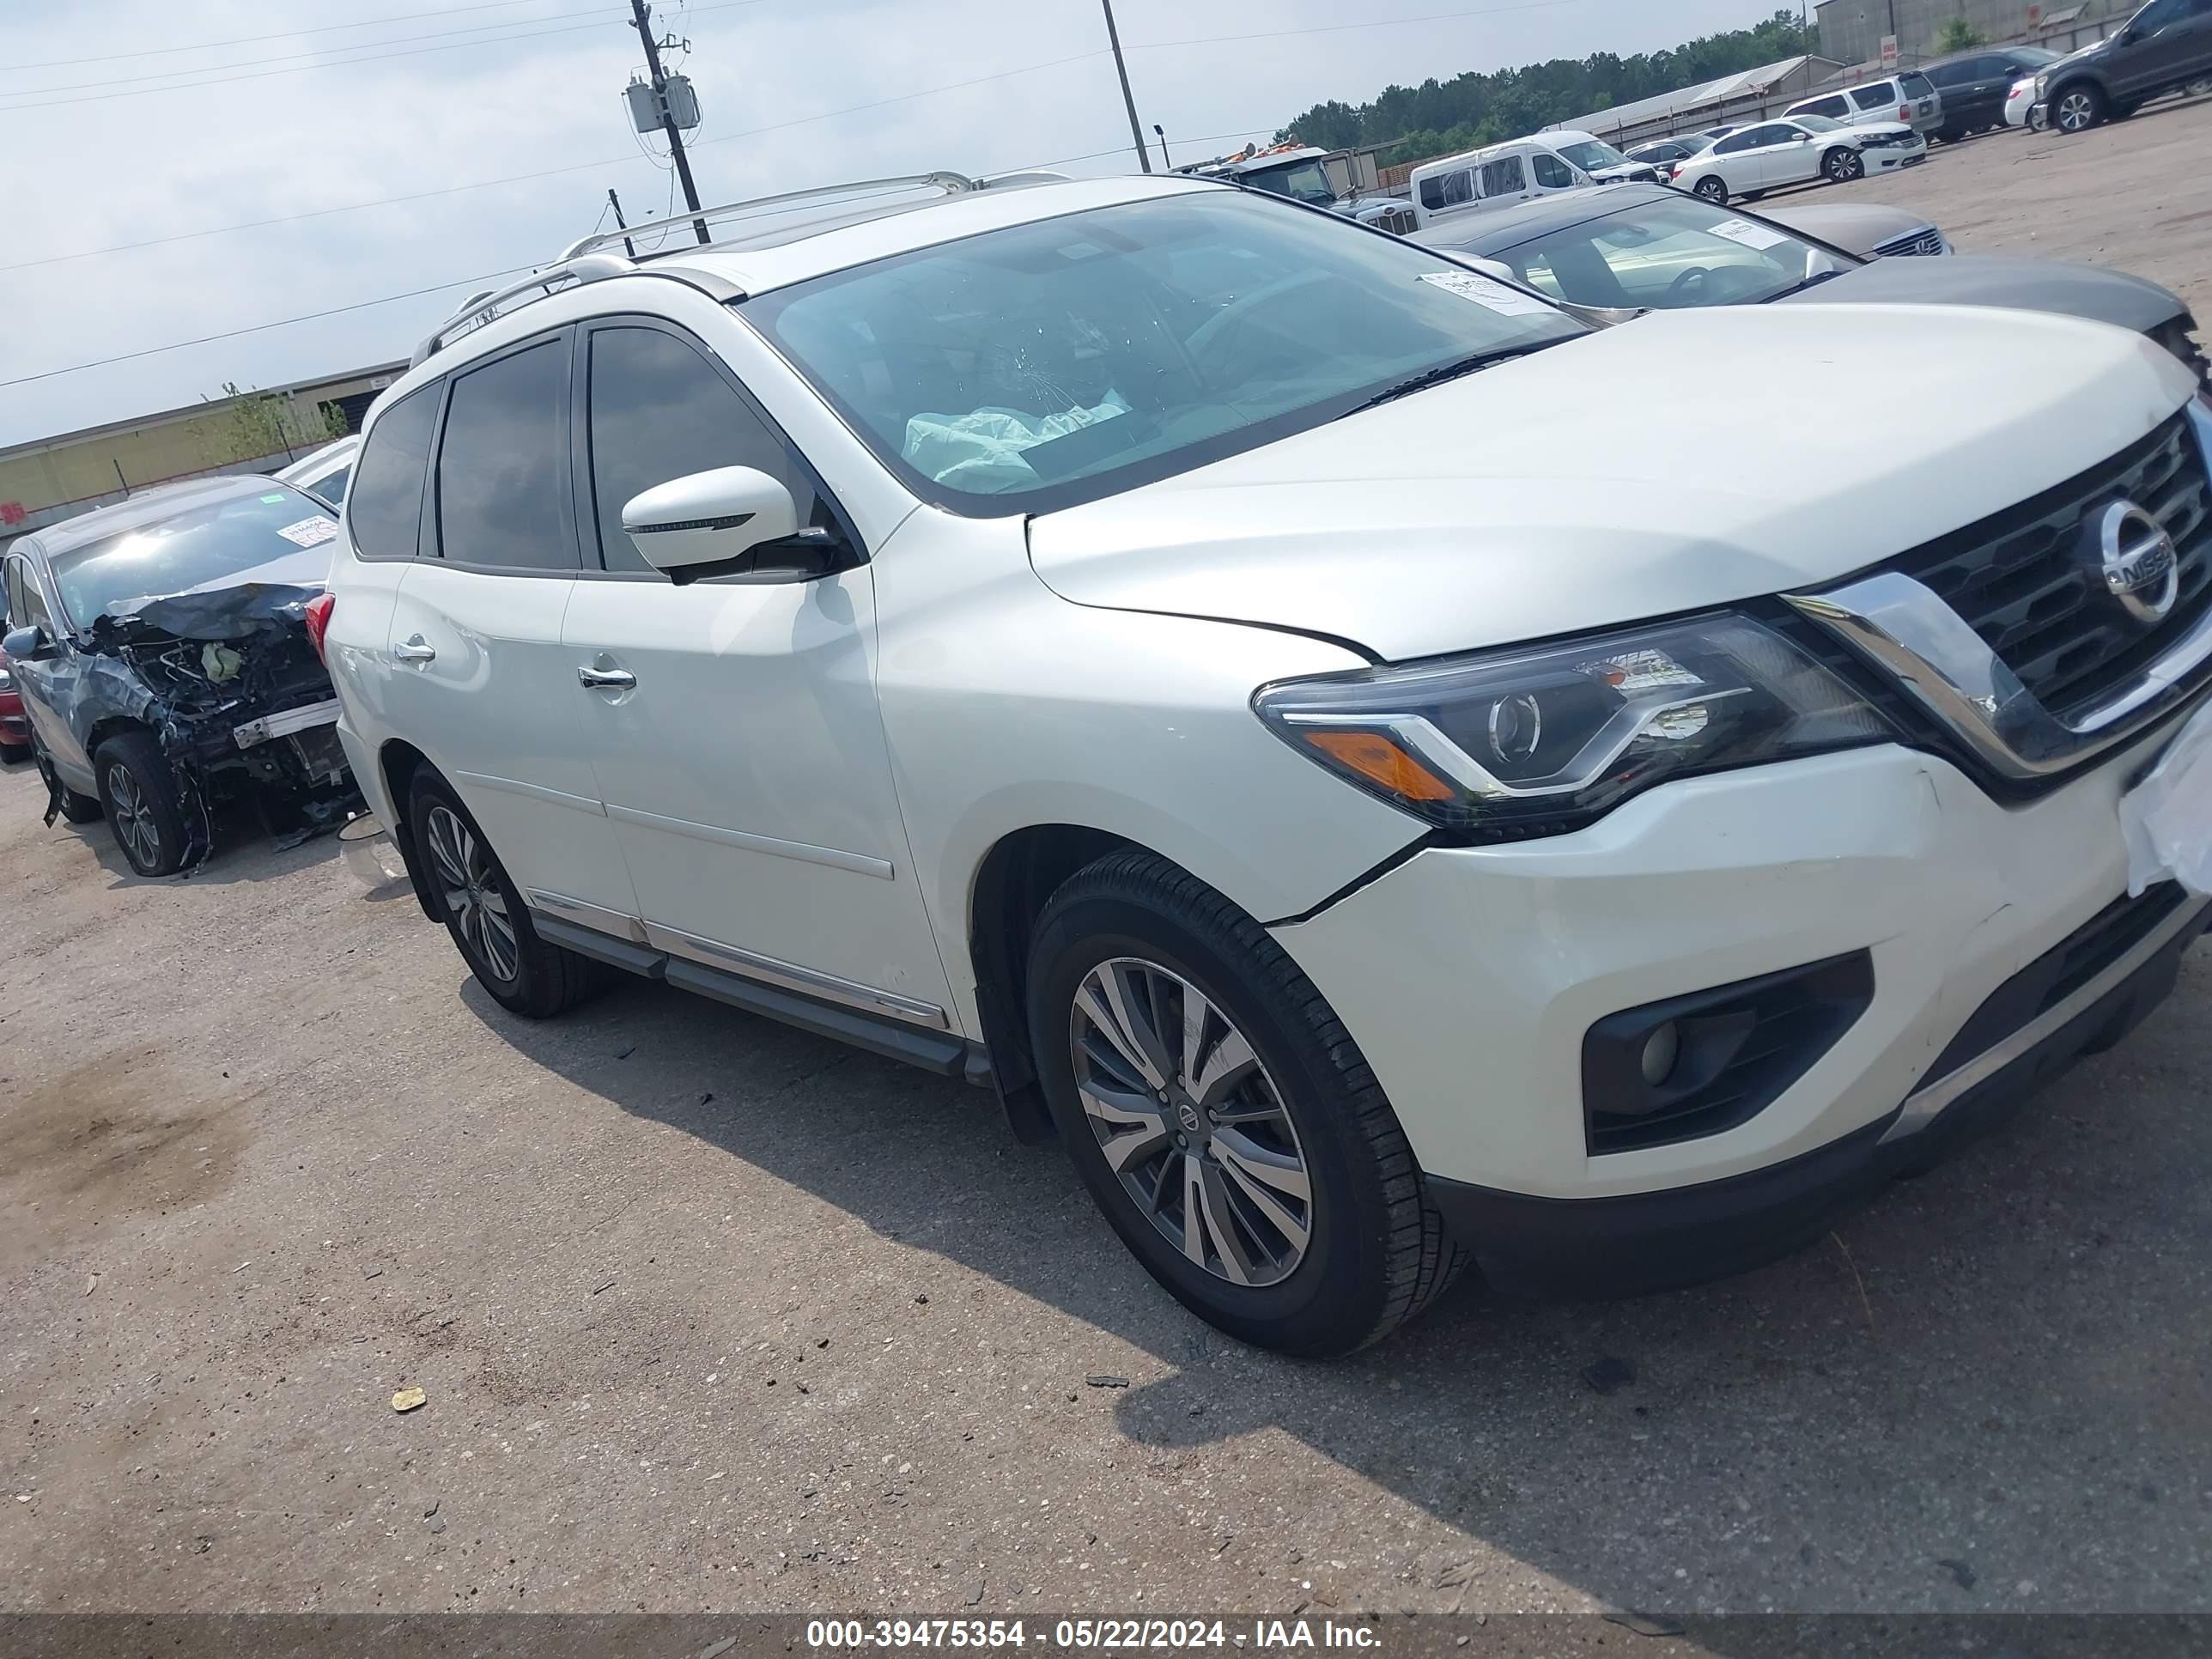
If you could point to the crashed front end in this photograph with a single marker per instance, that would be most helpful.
(229, 682)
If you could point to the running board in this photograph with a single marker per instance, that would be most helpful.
(939, 1052)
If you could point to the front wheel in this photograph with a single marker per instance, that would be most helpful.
(139, 795)
(1222, 1117)
(1713, 190)
(2077, 108)
(1842, 164)
(485, 914)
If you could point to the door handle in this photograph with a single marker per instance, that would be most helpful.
(416, 648)
(604, 679)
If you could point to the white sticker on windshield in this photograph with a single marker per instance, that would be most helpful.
(1484, 291)
(1751, 235)
(310, 532)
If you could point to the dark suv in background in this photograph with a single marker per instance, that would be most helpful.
(1975, 85)
(2162, 48)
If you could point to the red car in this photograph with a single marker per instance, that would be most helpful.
(15, 730)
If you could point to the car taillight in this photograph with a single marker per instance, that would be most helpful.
(1904, 113)
(1674, 172)
(318, 623)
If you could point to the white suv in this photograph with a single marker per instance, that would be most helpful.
(1106, 640)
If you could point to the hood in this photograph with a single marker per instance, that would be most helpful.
(234, 610)
(1856, 227)
(1879, 130)
(1504, 506)
(1630, 170)
(1973, 279)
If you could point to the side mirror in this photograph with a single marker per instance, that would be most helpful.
(1491, 268)
(29, 644)
(709, 524)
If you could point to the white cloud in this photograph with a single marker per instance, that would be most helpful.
(90, 174)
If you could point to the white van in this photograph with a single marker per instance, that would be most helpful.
(1520, 171)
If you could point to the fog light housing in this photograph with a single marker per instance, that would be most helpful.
(1660, 1050)
(1705, 1063)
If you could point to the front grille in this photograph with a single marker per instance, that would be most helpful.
(2019, 581)
(1921, 243)
(2059, 973)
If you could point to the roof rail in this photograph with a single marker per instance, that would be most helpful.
(952, 184)
(587, 261)
(480, 308)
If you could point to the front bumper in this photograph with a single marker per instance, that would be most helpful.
(1890, 161)
(1470, 975)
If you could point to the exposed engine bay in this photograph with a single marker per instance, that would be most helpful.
(229, 684)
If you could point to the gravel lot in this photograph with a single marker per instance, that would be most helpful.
(711, 1314)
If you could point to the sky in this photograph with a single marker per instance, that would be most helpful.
(146, 121)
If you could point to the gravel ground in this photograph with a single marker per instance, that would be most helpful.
(711, 1314)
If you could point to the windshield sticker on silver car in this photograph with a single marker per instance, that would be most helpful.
(1495, 296)
(1751, 235)
(310, 532)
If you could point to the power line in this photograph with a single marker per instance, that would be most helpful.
(256, 40)
(304, 69)
(261, 328)
(294, 56)
(546, 173)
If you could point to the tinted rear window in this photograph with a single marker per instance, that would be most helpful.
(503, 477)
(387, 490)
(1915, 85)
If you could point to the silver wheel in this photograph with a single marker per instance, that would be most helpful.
(132, 818)
(472, 896)
(2076, 111)
(1844, 166)
(1190, 1122)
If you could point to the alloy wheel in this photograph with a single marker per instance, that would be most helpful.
(1190, 1122)
(471, 892)
(132, 818)
(2075, 111)
(1846, 166)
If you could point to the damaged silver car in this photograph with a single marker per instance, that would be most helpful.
(165, 649)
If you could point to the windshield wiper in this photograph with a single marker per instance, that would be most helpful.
(1451, 371)
(1810, 282)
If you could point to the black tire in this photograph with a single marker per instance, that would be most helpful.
(76, 808)
(139, 796)
(544, 978)
(1712, 189)
(1376, 1251)
(1952, 135)
(2078, 106)
(1842, 164)
(14, 753)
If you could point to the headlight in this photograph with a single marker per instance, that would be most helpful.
(1534, 742)
(2042, 85)
(7, 680)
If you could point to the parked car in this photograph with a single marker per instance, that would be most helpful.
(163, 649)
(1909, 98)
(324, 474)
(1250, 725)
(1484, 179)
(1633, 248)
(15, 728)
(1801, 150)
(1976, 86)
(1866, 229)
(2165, 48)
(2020, 109)
(1661, 154)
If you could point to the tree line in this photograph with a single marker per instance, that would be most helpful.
(1440, 117)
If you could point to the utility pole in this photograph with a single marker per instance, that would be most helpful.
(1128, 99)
(643, 15)
(621, 223)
